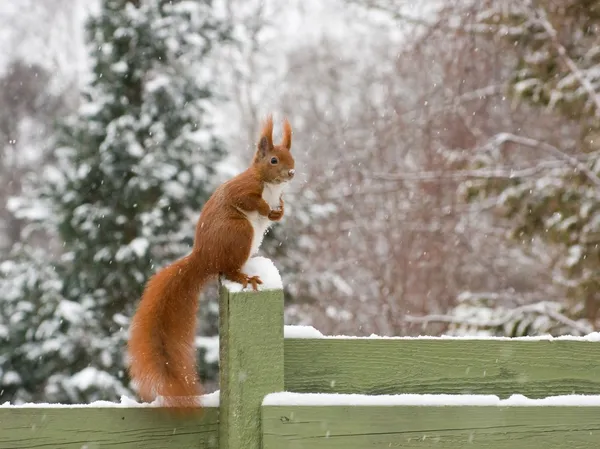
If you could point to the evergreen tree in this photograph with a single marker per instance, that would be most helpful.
(134, 167)
(557, 53)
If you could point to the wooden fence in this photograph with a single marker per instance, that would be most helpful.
(372, 393)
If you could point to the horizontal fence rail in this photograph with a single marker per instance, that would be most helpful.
(534, 368)
(105, 427)
(448, 427)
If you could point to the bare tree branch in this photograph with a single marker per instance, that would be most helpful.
(533, 143)
(502, 173)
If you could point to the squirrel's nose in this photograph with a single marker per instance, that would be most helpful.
(292, 172)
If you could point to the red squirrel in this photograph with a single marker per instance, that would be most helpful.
(230, 229)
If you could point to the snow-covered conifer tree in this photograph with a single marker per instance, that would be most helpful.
(134, 166)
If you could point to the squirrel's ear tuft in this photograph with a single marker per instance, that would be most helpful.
(265, 143)
(286, 142)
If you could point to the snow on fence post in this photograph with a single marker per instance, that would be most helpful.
(251, 354)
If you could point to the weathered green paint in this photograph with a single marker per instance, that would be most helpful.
(361, 427)
(254, 358)
(96, 428)
(251, 362)
(390, 366)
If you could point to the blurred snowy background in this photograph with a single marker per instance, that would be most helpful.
(447, 154)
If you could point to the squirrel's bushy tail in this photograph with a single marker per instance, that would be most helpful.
(162, 355)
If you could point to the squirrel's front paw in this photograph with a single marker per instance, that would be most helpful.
(275, 215)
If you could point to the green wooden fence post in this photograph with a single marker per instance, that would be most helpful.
(251, 362)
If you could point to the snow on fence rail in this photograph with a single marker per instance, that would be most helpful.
(293, 388)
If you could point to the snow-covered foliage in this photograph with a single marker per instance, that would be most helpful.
(500, 315)
(133, 168)
(51, 337)
(558, 50)
(555, 197)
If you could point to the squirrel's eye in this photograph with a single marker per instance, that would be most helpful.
(274, 160)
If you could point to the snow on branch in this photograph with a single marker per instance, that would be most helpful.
(562, 52)
(511, 315)
(533, 143)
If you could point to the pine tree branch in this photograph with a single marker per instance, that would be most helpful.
(530, 308)
(562, 52)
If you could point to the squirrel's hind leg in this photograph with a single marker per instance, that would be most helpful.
(240, 241)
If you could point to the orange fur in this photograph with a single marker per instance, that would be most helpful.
(161, 344)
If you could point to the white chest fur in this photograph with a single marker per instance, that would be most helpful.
(260, 224)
